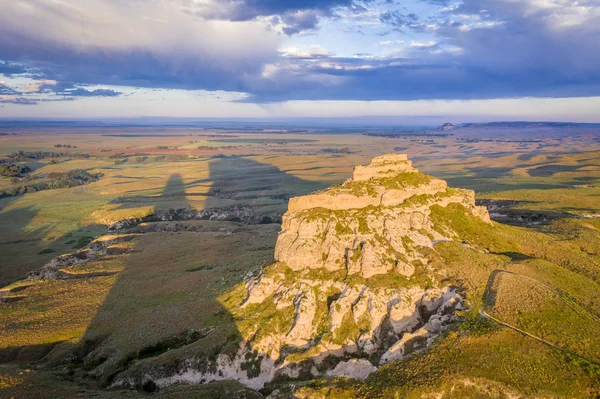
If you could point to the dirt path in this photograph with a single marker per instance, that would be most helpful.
(488, 296)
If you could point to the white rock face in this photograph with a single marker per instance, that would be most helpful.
(261, 289)
(303, 328)
(354, 368)
(402, 348)
(359, 320)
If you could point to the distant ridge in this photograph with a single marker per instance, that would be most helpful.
(525, 124)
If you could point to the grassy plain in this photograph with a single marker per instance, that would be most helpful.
(161, 296)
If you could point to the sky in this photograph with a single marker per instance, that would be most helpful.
(414, 60)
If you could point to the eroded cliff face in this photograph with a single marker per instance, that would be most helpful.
(371, 224)
(351, 289)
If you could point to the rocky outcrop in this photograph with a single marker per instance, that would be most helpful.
(101, 247)
(383, 166)
(353, 368)
(372, 223)
(244, 215)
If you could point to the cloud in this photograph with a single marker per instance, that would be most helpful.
(245, 10)
(422, 45)
(441, 3)
(475, 49)
(17, 100)
(6, 90)
(9, 69)
(38, 86)
(390, 42)
(292, 16)
(403, 21)
(80, 92)
(113, 42)
(481, 49)
(310, 53)
(531, 39)
(300, 21)
(237, 10)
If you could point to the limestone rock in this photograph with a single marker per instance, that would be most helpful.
(405, 346)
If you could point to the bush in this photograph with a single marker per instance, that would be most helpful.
(12, 170)
(46, 251)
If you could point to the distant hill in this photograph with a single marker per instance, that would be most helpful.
(447, 126)
(524, 124)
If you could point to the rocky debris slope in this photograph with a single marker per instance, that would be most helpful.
(352, 288)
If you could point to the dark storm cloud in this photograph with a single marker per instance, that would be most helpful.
(300, 21)
(395, 79)
(483, 49)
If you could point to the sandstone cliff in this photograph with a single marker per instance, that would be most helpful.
(352, 288)
(370, 224)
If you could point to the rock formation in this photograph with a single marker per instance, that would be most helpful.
(370, 224)
(351, 288)
(57, 268)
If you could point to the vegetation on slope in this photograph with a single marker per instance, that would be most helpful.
(55, 180)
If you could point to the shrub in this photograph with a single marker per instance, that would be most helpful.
(14, 170)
